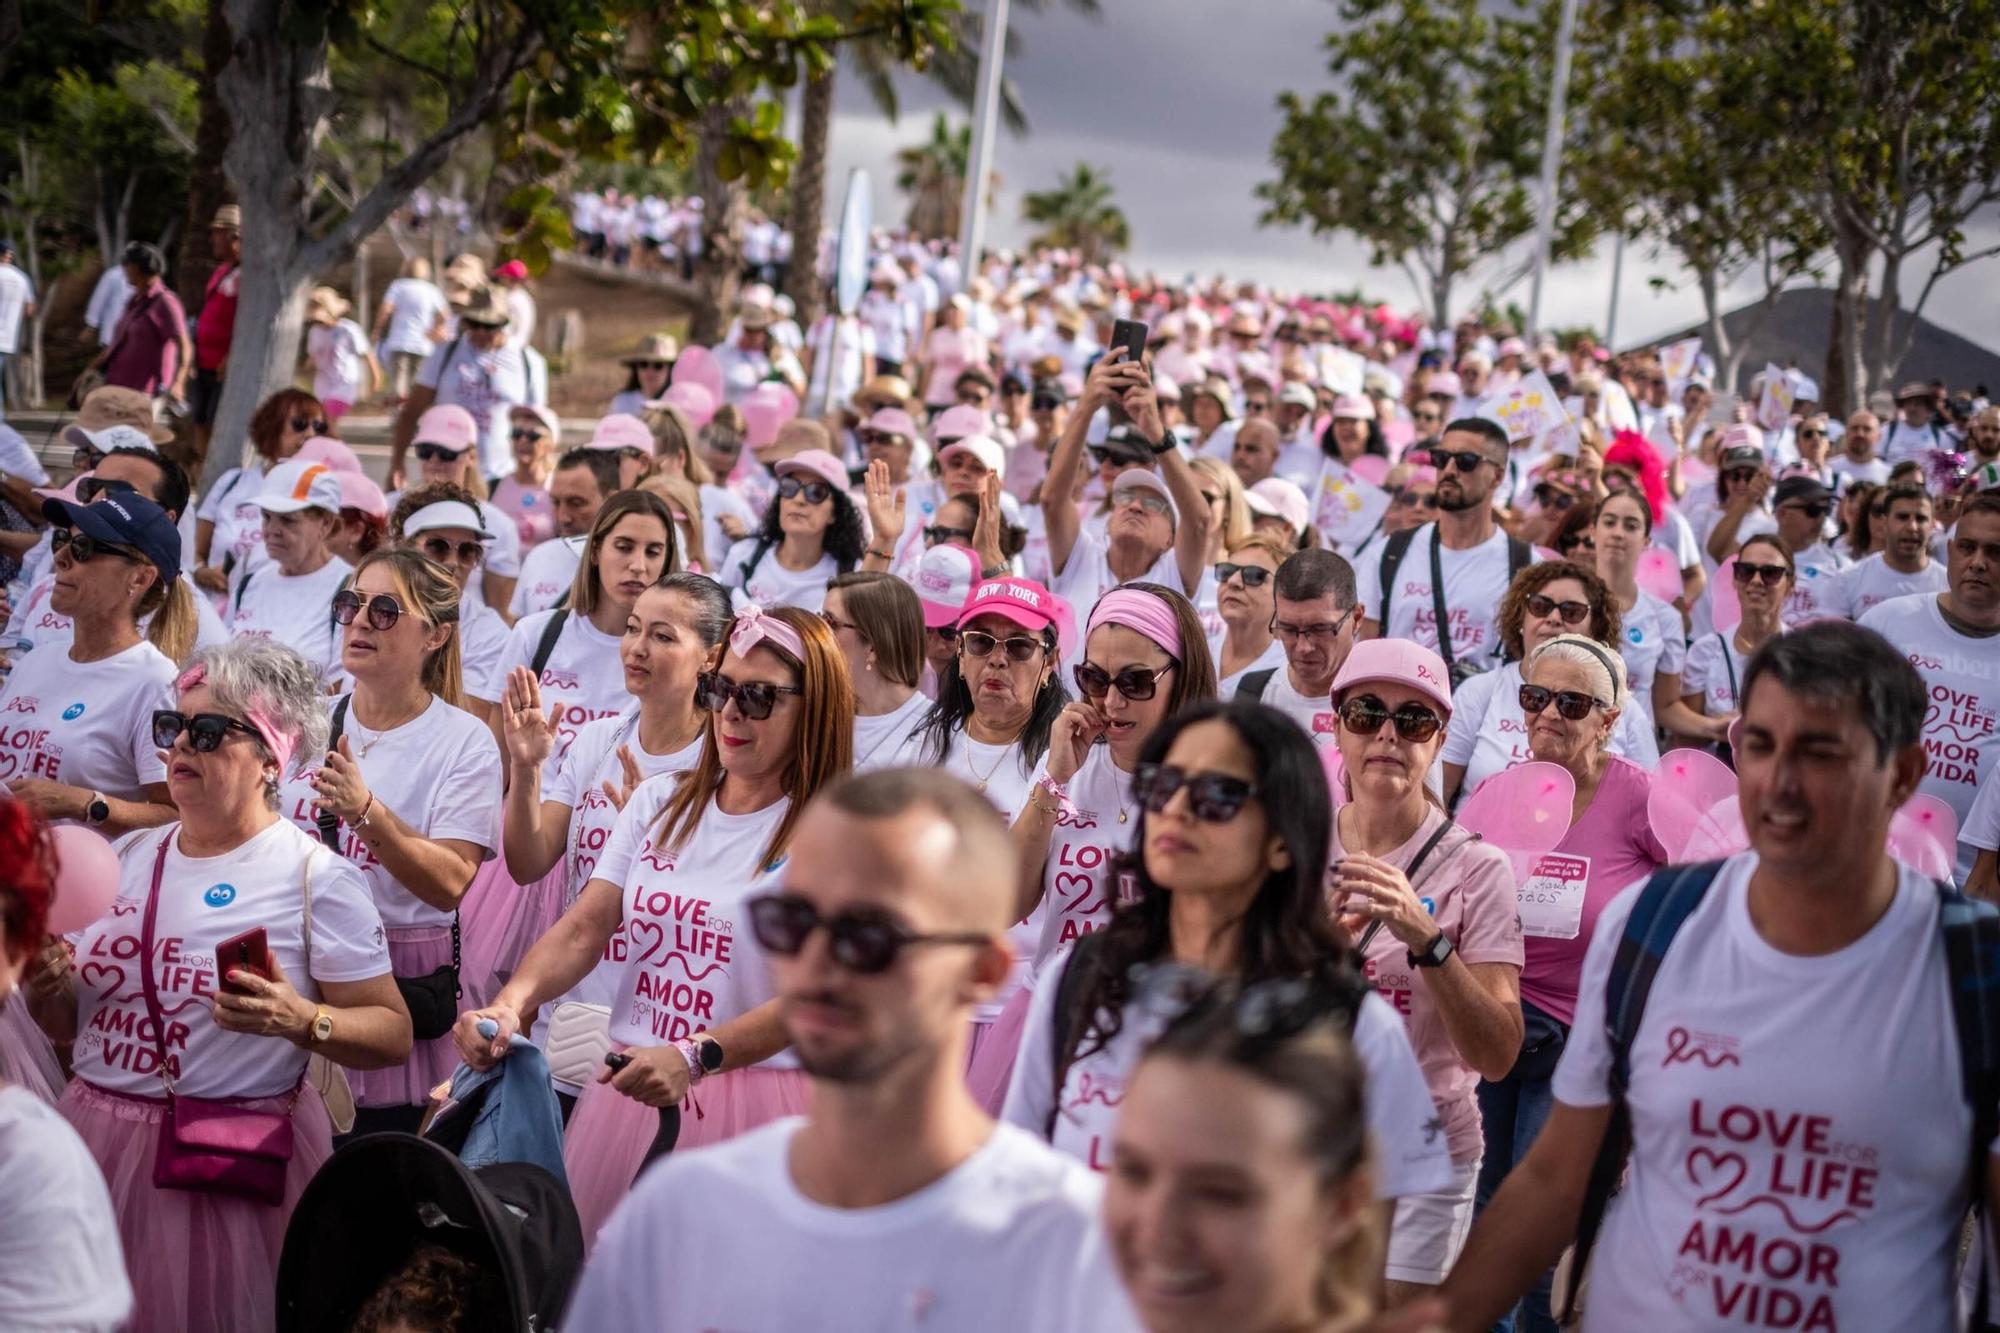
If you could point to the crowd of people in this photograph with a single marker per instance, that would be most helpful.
(1301, 806)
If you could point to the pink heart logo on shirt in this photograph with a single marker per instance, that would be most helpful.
(90, 973)
(640, 932)
(1707, 1169)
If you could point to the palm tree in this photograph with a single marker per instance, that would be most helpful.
(932, 174)
(1079, 214)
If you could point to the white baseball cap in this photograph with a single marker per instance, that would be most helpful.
(297, 484)
(983, 447)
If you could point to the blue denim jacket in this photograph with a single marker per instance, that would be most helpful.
(520, 1120)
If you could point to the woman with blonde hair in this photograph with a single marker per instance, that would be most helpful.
(1230, 524)
(717, 512)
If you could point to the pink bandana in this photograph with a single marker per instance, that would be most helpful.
(754, 627)
(281, 743)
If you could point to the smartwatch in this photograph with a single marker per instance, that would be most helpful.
(98, 810)
(1432, 954)
(703, 1054)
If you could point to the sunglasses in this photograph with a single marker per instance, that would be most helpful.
(754, 698)
(1136, 684)
(205, 731)
(524, 433)
(438, 453)
(1811, 511)
(1426, 414)
(1573, 613)
(1150, 501)
(1253, 576)
(1417, 499)
(1465, 460)
(1040, 404)
(1254, 405)
(83, 458)
(790, 488)
(440, 550)
(978, 643)
(383, 610)
(84, 548)
(863, 940)
(1574, 544)
(317, 425)
(652, 365)
(1214, 798)
(877, 437)
(1740, 474)
(1812, 434)
(1772, 575)
(937, 532)
(1572, 705)
(1364, 715)
(89, 488)
(1550, 498)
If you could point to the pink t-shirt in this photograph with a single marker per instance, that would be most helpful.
(530, 509)
(949, 352)
(1469, 888)
(1611, 848)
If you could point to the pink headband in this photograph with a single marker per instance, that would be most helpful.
(1142, 611)
(281, 743)
(754, 627)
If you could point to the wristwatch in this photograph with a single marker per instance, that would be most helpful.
(1161, 445)
(1433, 954)
(98, 810)
(322, 1025)
(703, 1054)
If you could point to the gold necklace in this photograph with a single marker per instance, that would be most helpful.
(980, 785)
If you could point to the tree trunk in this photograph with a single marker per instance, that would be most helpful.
(208, 186)
(1845, 386)
(1715, 333)
(802, 282)
(718, 271)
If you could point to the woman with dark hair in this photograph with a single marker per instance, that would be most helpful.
(1226, 872)
(228, 524)
(1857, 518)
(1654, 642)
(878, 622)
(1764, 576)
(1352, 431)
(811, 532)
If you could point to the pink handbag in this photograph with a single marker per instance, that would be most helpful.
(209, 1146)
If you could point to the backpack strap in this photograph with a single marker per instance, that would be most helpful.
(545, 647)
(236, 606)
(1971, 931)
(1729, 665)
(1438, 608)
(757, 554)
(1250, 689)
(1519, 556)
(1393, 552)
(329, 827)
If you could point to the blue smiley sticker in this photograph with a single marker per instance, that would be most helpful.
(73, 712)
(1430, 906)
(1635, 634)
(219, 895)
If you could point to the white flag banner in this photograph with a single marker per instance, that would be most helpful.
(1347, 508)
(1533, 410)
(1678, 360)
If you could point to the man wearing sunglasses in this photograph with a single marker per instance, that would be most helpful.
(895, 1201)
(1801, 505)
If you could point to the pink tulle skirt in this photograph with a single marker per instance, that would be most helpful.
(609, 1133)
(413, 951)
(991, 1065)
(197, 1261)
(499, 922)
(27, 1057)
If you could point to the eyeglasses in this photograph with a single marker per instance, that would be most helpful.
(89, 488)
(383, 610)
(438, 453)
(1572, 705)
(1136, 684)
(1772, 575)
(84, 548)
(836, 624)
(860, 939)
(1291, 633)
(754, 698)
(525, 433)
(652, 365)
(790, 488)
(440, 550)
(1213, 798)
(1364, 715)
(1573, 613)
(1150, 501)
(1020, 647)
(1253, 576)
(317, 425)
(205, 731)
(1465, 460)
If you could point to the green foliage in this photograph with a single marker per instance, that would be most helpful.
(1079, 214)
(932, 174)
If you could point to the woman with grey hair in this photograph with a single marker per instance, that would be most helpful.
(237, 948)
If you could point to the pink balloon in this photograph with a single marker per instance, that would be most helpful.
(1371, 468)
(1915, 842)
(1659, 575)
(697, 365)
(1719, 833)
(1398, 435)
(86, 878)
(1724, 611)
(1686, 786)
(763, 417)
(694, 401)
(1336, 773)
(779, 396)
(1934, 816)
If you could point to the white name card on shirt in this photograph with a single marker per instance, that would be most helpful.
(1551, 897)
(1347, 507)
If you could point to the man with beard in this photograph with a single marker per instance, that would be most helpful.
(1982, 442)
(1857, 460)
(1801, 506)
(895, 1202)
(1454, 571)
(1902, 567)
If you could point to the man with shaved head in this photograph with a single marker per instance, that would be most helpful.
(896, 1202)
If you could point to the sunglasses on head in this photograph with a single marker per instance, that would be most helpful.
(1253, 576)
(860, 939)
(754, 698)
(205, 731)
(525, 433)
(978, 643)
(1465, 460)
(1364, 715)
(1772, 575)
(1573, 613)
(1213, 798)
(440, 550)
(84, 548)
(438, 453)
(317, 425)
(790, 488)
(938, 532)
(1136, 684)
(383, 610)
(83, 458)
(1572, 705)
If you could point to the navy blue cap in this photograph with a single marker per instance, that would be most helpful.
(124, 518)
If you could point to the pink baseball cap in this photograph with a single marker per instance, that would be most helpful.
(1443, 383)
(513, 268)
(1353, 406)
(981, 447)
(334, 453)
(619, 431)
(1512, 347)
(944, 581)
(1743, 435)
(892, 421)
(816, 463)
(955, 423)
(693, 399)
(1023, 601)
(449, 425)
(1274, 497)
(358, 492)
(1401, 661)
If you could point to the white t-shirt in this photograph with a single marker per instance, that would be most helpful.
(1714, 669)
(1817, 566)
(415, 306)
(1271, 659)
(1982, 823)
(482, 650)
(486, 384)
(583, 679)
(1088, 575)
(339, 353)
(62, 1268)
(1488, 733)
(1846, 472)
(1962, 682)
(857, 340)
(439, 773)
(231, 505)
(18, 458)
(1869, 582)
(296, 610)
(1901, 440)
(1410, 1152)
(1475, 581)
(716, 501)
(1003, 775)
(87, 724)
(204, 901)
(1006, 1241)
(689, 966)
(15, 294)
(771, 585)
(1778, 1178)
(1655, 644)
(1097, 823)
(888, 740)
(1314, 715)
(547, 572)
(36, 624)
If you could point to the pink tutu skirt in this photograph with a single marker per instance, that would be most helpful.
(609, 1133)
(413, 951)
(197, 1261)
(499, 922)
(991, 1065)
(27, 1057)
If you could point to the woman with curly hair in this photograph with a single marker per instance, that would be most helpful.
(228, 525)
(811, 532)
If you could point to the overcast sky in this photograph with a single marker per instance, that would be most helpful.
(1177, 98)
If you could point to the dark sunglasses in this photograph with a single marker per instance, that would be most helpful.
(1214, 798)
(877, 437)
(1426, 414)
(89, 488)
(383, 610)
(205, 731)
(978, 643)
(84, 548)
(1571, 545)
(652, 365)
(1364, 715)
(754, 698)
(83, 458)
(1136, 684)
(1740, 473)
(440, 550)
(1574, 705)
(524, 433)
(1812, 434)
(1039, 404)
(1253, 576)
(1772, 575)
(1573, 613)
(438, 453)
(790, 488)
(937, 532)
(1417, 499)
(1465, 460)
(863, 940)
(315, 424)
(1812, 511)
(1550, 498)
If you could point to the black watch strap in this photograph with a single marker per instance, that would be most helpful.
(1434, 954)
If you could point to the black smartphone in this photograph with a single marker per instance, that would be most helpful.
(1130, 334)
